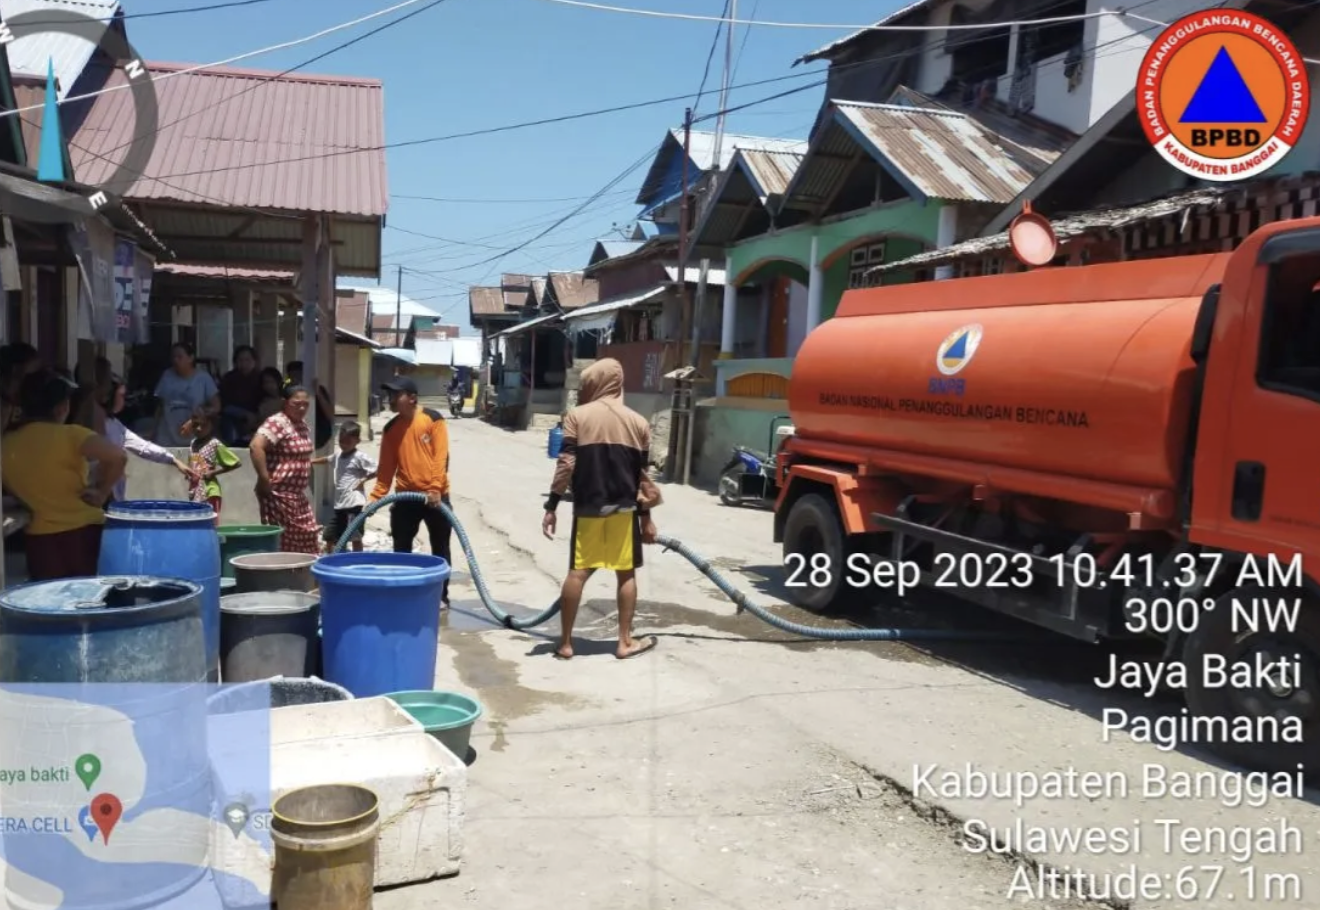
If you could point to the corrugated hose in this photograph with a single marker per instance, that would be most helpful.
(702, 565)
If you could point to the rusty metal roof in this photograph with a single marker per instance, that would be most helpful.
(772, 171)
(1076, 225)
(485, 301)
(571, 290)
(297, 143)
(538, 291)
(29, 91)
(933, 152)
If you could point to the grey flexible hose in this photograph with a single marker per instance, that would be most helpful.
(702, 565)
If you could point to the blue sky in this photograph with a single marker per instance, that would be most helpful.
(474, 64)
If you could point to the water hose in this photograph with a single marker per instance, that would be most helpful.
(702, 565)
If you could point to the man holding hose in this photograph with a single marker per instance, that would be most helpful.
(414, 457)
(606, 449)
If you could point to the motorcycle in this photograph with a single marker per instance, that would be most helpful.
(456, 403)
(750, 475)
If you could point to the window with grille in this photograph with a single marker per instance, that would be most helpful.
(861, 261)
(993, 266)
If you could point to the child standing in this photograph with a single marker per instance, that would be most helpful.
(351, 470)
(208, 459)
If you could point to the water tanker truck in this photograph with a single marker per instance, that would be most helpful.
(1108, 451)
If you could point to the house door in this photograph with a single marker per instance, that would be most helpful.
(776, 334)
(49, 319)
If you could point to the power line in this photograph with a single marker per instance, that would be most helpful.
(692, 17)
(710, 57)
(208, 8)
(269, 79)
(504, 201)
(245, 56)
(598, 112)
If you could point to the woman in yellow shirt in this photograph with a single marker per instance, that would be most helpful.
(44, 463)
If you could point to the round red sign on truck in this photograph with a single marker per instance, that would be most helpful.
(1223, 95)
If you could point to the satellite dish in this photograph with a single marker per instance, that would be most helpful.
(1032, 238)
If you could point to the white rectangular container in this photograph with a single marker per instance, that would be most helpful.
(421, 786)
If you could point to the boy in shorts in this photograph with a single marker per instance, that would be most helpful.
(351, 469)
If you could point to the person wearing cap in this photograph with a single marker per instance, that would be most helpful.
(414, 458)
(46, 464)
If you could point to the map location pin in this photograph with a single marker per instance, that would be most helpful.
(88, 769)
(236, 818)
(106, 810)
(88, 824)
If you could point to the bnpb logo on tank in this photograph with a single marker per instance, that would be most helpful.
(1223, 95)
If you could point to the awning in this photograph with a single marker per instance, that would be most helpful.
(601, 315)
(28, 200)
(355, 338)
(524, 326)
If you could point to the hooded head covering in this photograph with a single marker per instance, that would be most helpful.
(603, 379)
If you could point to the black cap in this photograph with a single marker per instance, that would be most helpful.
(401, 384)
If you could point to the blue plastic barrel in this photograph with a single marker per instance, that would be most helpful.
(113, 668)
(170, 538)
(380, 620)
(555, 444)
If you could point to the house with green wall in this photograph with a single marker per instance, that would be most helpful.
(877, 183)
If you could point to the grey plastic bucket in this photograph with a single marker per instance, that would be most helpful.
(268, 633)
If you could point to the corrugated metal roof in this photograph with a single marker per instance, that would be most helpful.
(359, 340)
(945, 154)
(610, 249)
(524, 326)
(485, 301)
(68, 54)
(538, 291)
(245, 151)
(572, 289)
(832, 49)
(772, 170)
(1079, 224)
(701, 152)
(384, 303)
(601, 315)
(351, 311)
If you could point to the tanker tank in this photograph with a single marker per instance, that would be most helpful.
(1097, 389)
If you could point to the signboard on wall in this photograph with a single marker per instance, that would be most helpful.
(125, 279)
(146, 268)
(93, 245)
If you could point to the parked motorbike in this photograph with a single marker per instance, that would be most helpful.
(750, 475)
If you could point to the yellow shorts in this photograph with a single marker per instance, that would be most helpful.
(611, 542)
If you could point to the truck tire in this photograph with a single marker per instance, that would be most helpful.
(814, 526)
(1214, 635)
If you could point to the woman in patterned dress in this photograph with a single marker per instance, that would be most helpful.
(281, 454)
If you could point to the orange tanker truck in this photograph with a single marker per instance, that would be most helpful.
(1107, 451)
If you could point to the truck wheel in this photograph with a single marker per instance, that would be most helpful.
(814, 526)
(1295, 693)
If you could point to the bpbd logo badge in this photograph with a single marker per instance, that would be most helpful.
(1223, 95)
(951, 357)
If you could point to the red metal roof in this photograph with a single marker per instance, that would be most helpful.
(243, 122)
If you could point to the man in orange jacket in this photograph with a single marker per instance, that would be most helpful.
(414, 457)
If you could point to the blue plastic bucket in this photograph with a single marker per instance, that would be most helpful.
(170, 538)
(380, 620)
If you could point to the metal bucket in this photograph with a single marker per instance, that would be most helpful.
(274, 572)
(268, 633)
(325, 847)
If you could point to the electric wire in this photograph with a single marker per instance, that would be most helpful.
(208, 8)
(614, 109)
(710, 57)
(228, 60)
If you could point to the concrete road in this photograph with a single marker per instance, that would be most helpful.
(737, 767)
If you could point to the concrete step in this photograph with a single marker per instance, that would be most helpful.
(544, 422)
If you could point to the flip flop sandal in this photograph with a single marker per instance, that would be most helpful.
(640, 651)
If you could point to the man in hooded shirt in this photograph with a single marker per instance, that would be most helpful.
(603, 460)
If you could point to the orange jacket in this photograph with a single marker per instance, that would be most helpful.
(414, 455)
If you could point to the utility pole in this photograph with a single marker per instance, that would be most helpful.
(682, 403)
(398, 311)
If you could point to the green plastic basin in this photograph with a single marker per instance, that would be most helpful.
(240, 540)
(447, 716)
